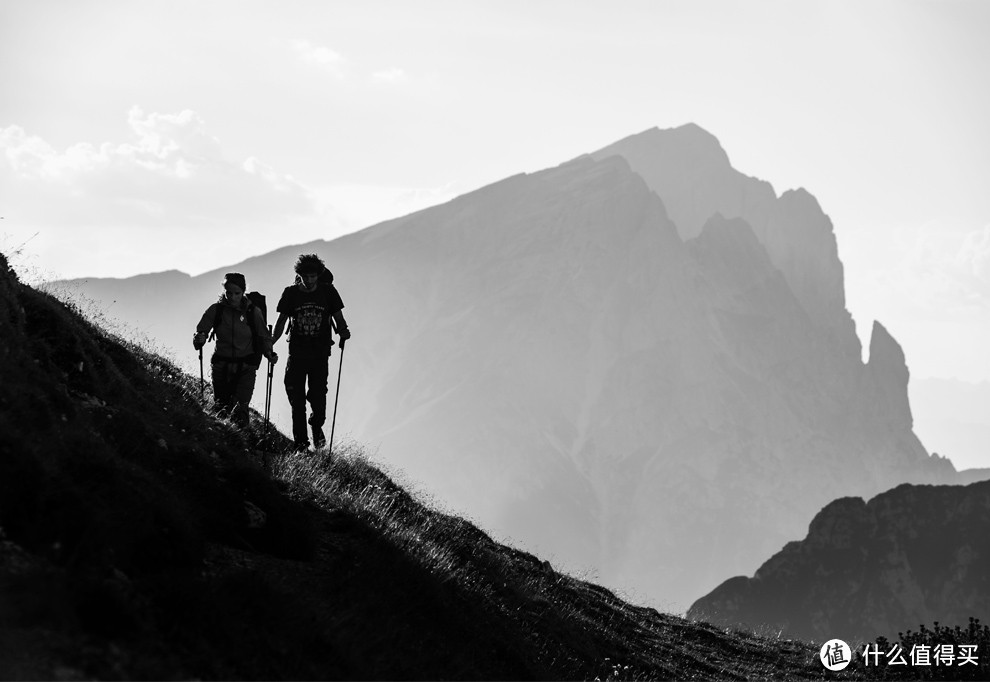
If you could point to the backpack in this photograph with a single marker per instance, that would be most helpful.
(255, 299)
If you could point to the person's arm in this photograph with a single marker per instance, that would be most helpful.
(203, 328)
(265, 334)
(340, 324)
(279, 327)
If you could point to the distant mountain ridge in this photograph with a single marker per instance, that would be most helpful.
(910, 556)
(638, 362)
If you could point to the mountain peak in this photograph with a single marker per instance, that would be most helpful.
(688, 146)
(690, 172)
(888, 367)
(884, 347)
(697, 137)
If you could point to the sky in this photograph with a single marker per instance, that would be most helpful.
(147, 136)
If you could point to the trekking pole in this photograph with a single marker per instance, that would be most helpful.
(337, 396)
(268, 390)
(202, 383)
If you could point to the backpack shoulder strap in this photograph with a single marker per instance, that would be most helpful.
(216, 321)
(249, 314)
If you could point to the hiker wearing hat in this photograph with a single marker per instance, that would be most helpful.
(242, 340)
(312, 308)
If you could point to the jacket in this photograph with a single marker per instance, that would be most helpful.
(235, 340)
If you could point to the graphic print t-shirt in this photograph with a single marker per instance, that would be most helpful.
(309, 312)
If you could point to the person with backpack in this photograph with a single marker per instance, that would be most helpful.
(312, 307)
(243, 338)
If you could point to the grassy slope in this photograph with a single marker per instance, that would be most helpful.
(142, 538)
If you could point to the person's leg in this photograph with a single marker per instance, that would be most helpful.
(317, 397)
(243, 390)
(295, 389)
(223, 389)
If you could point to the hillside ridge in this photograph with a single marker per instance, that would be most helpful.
(143, 538)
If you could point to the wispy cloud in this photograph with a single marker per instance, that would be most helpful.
(335, 64)
(171, 171)
(319, 55)
(165, 198)
(942, 270)
(973, 256)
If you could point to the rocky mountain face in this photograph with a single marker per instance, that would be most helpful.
(691, 173)
(638, 363)
(910, 556)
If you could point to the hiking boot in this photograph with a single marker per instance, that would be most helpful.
(319, 440)
(301, 445)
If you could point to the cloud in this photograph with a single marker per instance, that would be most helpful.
(336, 64)
(973, 256)
(389, 75)
(943, 271)
(318, 55)
(164, 134)
(171, 173)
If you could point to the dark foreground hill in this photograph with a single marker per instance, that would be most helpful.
(141, 537)
(911, 555)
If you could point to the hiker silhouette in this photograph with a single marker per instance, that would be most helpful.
(242, 339)
(312, 307)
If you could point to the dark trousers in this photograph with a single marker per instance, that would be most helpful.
(233, 386)
(300, 370)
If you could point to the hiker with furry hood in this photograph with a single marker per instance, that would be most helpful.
(237, 324)
(313, 310)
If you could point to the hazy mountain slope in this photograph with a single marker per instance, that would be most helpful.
(141, 540)
(912, 555)
(549, 356)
